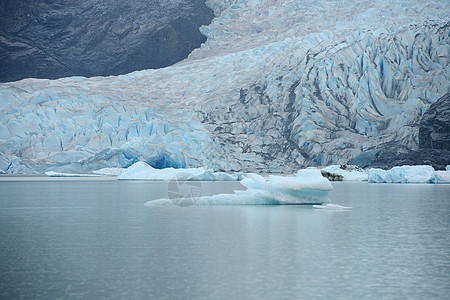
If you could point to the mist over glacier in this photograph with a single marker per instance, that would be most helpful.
(278, 85)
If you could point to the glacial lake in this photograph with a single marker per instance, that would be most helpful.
(95, 239)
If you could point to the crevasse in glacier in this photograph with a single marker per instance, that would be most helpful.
(279, 84)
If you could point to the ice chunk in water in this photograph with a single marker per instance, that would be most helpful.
(403, 174)
(143, 171)
(329, 206)
(307, 187)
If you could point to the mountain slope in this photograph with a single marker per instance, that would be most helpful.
(53, 39)
(277, 86)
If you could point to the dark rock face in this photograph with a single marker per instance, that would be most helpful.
(387, 159)
(60, 38)
(434, 132)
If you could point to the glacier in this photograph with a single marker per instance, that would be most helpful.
(307, 187)
(278, 85)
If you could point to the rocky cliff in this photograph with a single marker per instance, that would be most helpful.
(58, 38)
(434, 132)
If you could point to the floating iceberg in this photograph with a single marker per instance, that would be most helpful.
(442, 176)
(349, 173)
(143, 171)
(403, 174)
(109, 171)
(58, 174)
(329, 206)
(307, 187)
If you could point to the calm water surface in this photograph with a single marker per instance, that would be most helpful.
(97, 240)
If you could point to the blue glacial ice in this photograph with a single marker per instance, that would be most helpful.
(409, 174)
(307, 187)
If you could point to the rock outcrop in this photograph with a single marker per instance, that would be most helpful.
(434, 132)
(53, 39)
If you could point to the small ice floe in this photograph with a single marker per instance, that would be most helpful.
(307, 187)
(143, 171)
(109, 171)
(409, 174)
(329, 206)
(58, 174)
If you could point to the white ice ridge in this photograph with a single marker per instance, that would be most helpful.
(409, 174)
(109, 171)
(329, 206)
(143, 171)
(59, 174)
(348, 174)
(307, 187)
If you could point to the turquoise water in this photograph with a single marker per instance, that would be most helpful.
(97, 240)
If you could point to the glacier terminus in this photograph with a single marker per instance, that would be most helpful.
(278, 85)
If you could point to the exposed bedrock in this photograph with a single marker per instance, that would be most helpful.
(434, 132)
(54, 39)
(434, 143)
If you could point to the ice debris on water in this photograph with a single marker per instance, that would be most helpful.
(330, 206)
(143, 171)
(409, 174)
(109, 171)
(60, 174)
(307, 187)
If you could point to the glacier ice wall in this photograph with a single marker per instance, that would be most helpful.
(278, 85)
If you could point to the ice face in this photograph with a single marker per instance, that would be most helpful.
(403, 174)
(278, 85)
(442, 176)
(307, 187)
